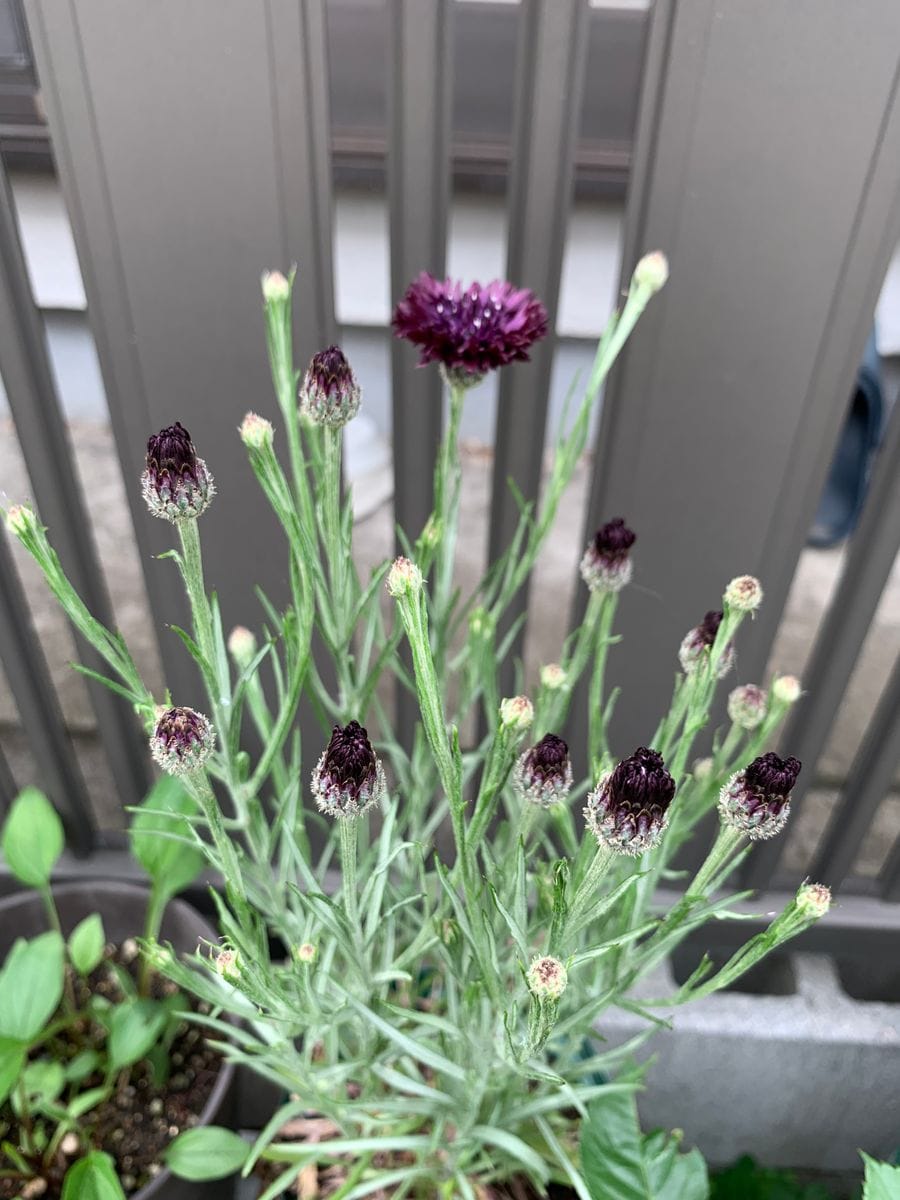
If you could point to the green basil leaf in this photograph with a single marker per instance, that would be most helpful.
(92, 1178)
(31, 986)
(12, 1060)
(208, 1152)
(87, 942)
(172, 865)
(134, 1027)
(33, 838)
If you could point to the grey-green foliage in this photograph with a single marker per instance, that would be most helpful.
(397, 1003)
(882, 1181)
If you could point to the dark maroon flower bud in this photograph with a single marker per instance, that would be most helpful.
(176, 483)
(182, 740)
(698, 642)
(329, 394)
(472, 331)
(629, 808)
(348, 778)
(606, 565)
(543, 774)
(757, 800)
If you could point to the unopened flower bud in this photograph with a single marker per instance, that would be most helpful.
(547, 978)
(348, 778)
(813, 900)
(182, 740)
(543, 774)
(606, 565)
(747, 706)
(307, 953)
(329, 394)
(242, 646)
(698, 642)
(553, 677)
(176, 484)
(757, 800)
(275, 287)
(256, 432)
(20, 519)
(228, 964)
(449, 931)
(703, 769)
(786, 689)
(404, 578)
(516, 713)
(652, 271)
(744, 594)
(629, 808)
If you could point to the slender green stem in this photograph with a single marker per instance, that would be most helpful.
(192, 563)
(53, 917)
(574, 664)
(349, 834)
(727, 843)
(446, 503)
(597, 744)
(156, 907)
(197, 783)
(600, 864)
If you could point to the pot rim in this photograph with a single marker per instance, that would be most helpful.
(110, 889)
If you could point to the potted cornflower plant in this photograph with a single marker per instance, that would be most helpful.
(435, 1019)
(100, 1065)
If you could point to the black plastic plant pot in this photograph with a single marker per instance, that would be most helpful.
(122, 907)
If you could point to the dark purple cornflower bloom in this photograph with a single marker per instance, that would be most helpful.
(329, 394)
(176, 483)
(182, 740)
(699, 641)
(469, 331)
(757, 800)
(543, 774)
(606, 565)
(348, 778)
(628, 809)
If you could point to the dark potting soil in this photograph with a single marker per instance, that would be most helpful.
(139, 1120)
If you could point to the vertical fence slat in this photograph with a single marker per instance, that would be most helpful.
(48, 456)
(552, 58)
(420, 73)
(889, 879)
(39, 713)
(868, 781)
(870, 558)
(721, 417)
(7, 785)
(420, 70)
(182, 187)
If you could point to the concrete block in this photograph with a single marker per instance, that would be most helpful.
(802, 1079)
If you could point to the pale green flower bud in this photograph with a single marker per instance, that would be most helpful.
(553, 677)
(307, 953)
(516, 712)
(747, 706)
(786, 689)
(404, 578)
(744, 594)
(242, 646)
(652, 271)
(275, 286)
(227, 964)
(256, 432)
(703, 769)
(813, 900)
(20, 519)
(547, 978)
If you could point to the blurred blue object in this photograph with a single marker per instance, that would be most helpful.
(848, 480)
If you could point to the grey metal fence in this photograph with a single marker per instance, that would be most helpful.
(766, 162)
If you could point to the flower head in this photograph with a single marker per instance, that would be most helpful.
(182, 740)
(20, 519)
(227, 963)
(176, 483)
(242, 645)
(747, 705)
(606, 565)
(404, 578)
(275, 287)
(744, 594)
(652, 271)
(329, 394)
(307, 953)
(699, 641)
(553, 677)
(348, 778)
(517, 713)
(813, 900)
(546, 978)
(255, 431)
(757, 799)
(543, 774)
(628, 809)
(469, 331)
(786, 689)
